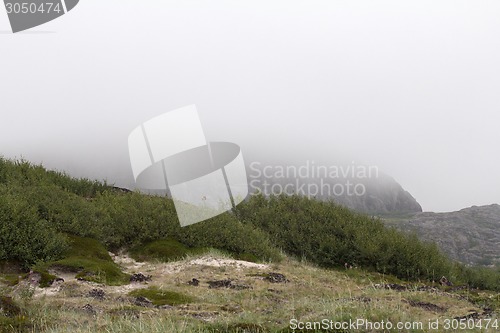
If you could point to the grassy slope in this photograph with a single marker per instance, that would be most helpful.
(38, 209)
(312, 294)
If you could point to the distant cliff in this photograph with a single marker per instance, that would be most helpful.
(471, 235)
(383, 196)
(355, 186)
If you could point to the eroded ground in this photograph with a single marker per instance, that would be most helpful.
(214, 293)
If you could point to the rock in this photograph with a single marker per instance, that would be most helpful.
(454, 232)
(361, 299)
(207, 317)
(427, 306)
(86, 277)
(427, 288)
(139, 277)
(219, 284)
(34, 278)
(226, 284)
(239, 287)
(391, 286)
(445, 282)
(473, 315)
(194, 282)
(143, 301)
(89, 309)
(123, 299)
(231, 308)
(488, 312)
(121, 189)
(97, 294)
(165, 307)
(395, 286)
(276, 278)
(459, 288)
(275, 291)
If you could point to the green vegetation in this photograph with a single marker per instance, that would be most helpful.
(39, 208)
(89, 259)
(46, 279)
(312, 293)
(161, 297)
(48, 219)
(24, 235)
(331, 236)
(11, 279)
(164, 250)
(12, 317)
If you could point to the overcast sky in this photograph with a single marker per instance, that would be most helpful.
(412, 87)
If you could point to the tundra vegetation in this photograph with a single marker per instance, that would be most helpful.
(51, 222)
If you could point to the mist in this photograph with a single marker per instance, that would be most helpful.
(409, 87)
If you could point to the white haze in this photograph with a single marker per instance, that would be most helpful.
(412, 87)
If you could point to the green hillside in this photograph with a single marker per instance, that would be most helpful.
(40, 212)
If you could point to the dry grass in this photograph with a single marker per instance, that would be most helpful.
(312, 294)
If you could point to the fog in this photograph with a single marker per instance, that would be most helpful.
(411, 87)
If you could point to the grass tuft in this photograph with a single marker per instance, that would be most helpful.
(164, 250)
(161, 297)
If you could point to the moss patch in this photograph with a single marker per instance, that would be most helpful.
(47, 279)
(162, 297)
(164, 250)
(90, 260)
(11, 279)
(87, 248)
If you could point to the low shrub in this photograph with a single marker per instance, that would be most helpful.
(163, 250)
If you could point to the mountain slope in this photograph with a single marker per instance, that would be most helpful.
(40, 210)
(471, 235)
(53, 226)
(357, 187)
